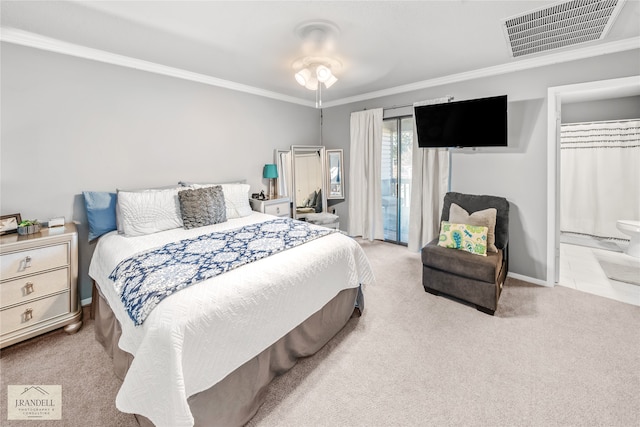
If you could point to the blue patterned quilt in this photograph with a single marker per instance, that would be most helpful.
(145, 279)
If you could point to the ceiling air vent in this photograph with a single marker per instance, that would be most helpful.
(563, 24)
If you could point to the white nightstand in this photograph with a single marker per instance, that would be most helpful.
(280, 206)
(39, 283)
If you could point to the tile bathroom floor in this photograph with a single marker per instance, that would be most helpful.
(580, 269)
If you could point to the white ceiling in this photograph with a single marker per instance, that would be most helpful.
(384, 46)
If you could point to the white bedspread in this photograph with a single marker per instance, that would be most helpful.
(197, 336)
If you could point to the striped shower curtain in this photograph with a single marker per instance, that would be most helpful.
(600, 177)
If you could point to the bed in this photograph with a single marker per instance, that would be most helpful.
(205, 353)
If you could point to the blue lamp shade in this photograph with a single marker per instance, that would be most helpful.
(270, 171)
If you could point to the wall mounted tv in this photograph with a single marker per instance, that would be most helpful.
(478, 122)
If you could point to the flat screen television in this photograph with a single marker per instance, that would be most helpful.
(478, 122)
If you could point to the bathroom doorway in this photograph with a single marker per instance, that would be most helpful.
(576, 260)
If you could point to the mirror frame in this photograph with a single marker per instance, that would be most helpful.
(337, 195)
(308, 149)
(284, 170)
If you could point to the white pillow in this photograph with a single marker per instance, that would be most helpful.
(151, 211)
(236, 198)
(139, 190)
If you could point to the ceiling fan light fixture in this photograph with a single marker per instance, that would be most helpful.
(303, 76)
(316, 68)
(323, 73)
(314, 71)
(330, 81)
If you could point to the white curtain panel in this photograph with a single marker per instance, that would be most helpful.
(365, 175)
(600, 176)
(429, 184)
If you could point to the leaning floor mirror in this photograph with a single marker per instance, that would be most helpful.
(308, 172)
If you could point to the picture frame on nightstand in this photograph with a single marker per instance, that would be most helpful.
(9, 223)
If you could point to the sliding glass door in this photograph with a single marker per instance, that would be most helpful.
(397, 144)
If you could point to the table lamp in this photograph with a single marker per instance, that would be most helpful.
(270, 172)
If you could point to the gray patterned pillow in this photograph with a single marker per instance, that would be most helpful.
(202, 206)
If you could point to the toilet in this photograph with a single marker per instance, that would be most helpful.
(632, 229)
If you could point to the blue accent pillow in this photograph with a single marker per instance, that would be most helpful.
(101, 212)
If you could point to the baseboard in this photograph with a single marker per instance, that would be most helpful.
(529, 279)
(86, 301)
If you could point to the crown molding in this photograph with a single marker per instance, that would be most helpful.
(26, 38)
(517, 65)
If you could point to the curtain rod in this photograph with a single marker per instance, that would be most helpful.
(391, 108)
(449, 97)
(397, 106)
(599, 121)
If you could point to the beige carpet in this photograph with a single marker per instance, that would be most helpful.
(549, 357)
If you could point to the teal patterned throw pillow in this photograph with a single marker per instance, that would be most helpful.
(470, 238)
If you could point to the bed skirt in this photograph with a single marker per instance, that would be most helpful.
(235, 400)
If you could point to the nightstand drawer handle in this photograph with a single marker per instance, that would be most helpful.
(28, 288)
(28, 314)
(27, 262)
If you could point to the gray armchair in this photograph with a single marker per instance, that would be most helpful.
(469, 277)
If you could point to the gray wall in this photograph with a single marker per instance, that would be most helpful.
(70, 125)
(517, 172)
(627, 107)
